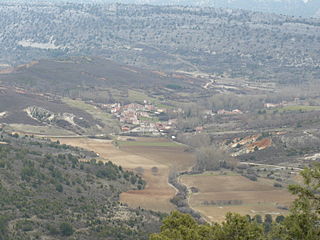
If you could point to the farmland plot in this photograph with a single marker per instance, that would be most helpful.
(153, 158)
(218, 194)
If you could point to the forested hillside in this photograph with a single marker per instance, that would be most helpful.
(259, 46)
(304, 8)
(47, 191)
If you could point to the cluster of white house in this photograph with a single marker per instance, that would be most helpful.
(138, 118)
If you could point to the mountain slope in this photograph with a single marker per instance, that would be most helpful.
(63, 75)
(257, 46)
(45, 190)
(303, 8)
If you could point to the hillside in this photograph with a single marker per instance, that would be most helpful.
(181, 96)
(257, 46)
(47, 191)
(41, 111)
(304, 8)
(69, 95)
(63, 75)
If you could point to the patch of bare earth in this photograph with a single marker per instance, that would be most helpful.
(221, 194)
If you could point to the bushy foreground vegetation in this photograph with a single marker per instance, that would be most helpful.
(303, 221)
(46, 191)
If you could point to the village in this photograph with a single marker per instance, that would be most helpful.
(148, 119)
(138, 119)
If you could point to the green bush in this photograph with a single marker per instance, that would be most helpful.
(25, 225)
(52, 229)
(3, 227)
(59, 188)
(66, 229)
(2, 164)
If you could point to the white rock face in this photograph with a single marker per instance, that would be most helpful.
(3, 114)
(32, 44)
(46, 116)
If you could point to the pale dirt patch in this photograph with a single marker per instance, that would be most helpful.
(158, 189)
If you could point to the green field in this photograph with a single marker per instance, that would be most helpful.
(298, 108)
(40, 130)
(151, 119)
(147, 144)
(215, 173)
(95, 112)
(138, 96)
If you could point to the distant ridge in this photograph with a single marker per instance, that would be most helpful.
(303, 8)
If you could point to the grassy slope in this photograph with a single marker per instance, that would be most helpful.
(95, 112)
(148, 144)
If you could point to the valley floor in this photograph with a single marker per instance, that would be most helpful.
(155, 158)
(153, 161)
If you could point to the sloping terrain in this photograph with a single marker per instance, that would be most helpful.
(61, 76)
(16, 105)
(85, 73)
(258, 46)
(154, 163)
(47, 191)
(304, 8)
(72, 93)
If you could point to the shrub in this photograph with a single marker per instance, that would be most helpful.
(278, 185)
(59, 188)
(280, 218)
(133, 179)
(66, 229)
(251, 177)
(3, 227)
(2, 164)
(52, 229)
(25, 225)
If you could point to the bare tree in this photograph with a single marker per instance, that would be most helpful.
(212, 158)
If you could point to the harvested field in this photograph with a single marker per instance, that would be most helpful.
(218, 195)
(153, 162)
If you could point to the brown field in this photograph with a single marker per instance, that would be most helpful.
(143, 154)
(257, 197)
(156, 196)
